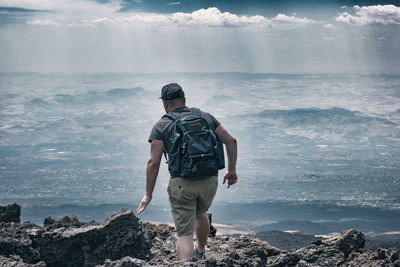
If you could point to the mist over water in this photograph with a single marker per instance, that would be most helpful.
(304, 140)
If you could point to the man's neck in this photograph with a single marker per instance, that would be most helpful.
(177, 107)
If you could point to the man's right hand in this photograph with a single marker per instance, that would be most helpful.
(231, 177)
(143, 204)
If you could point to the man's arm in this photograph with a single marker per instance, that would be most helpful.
(231, 150)
(153, 165)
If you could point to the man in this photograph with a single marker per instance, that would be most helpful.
(189, 199)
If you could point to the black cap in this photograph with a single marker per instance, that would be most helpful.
(171, 91)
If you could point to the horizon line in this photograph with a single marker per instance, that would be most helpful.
(202, 73)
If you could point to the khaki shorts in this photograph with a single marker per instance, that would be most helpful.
(190, 200)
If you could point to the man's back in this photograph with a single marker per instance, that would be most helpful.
(163, 129)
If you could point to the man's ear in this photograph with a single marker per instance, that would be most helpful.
(165, 103)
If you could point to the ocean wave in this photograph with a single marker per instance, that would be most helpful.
(218, 98)
(124, 92)
(311, 116)
(219, 102)
(11, 95)
(111, 95)
(63, 98)
(38, 101)
(325, 126)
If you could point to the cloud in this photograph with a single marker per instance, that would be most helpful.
(328, 38)
(210, 17)
(130, 20)
(65, 6)
(43, 22)
(214, 17)
(330, 26)
(292, 19)
(174, 3)
(379, 14)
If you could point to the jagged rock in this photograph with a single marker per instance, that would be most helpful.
(68, 242)
(331, 252)
(15, 240)
(220, 250)
(379, 257)
(347, 241)
(242, 251)
(250, 251)
(10, 213)
(121, 235)
(16, 261)
(284, 259)
(48, 221)
(66, 221)
(161, 231)
(124, 262)
(163, 243)
(123, 241)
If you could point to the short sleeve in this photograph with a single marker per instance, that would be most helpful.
(215, 121)
(155, 134)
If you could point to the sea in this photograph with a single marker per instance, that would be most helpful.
(319, 153)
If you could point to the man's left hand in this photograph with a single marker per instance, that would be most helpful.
(143, 204)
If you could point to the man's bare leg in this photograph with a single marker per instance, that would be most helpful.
(184, 246)
(202, 231)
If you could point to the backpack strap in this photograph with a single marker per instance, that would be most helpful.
(196, 112)
(173, 117)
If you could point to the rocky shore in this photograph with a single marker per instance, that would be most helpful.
(123, 240)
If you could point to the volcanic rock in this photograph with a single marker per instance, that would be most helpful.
(66, 221)
(10, 213)
(15, 240)
(379, 257)
(331, 252)
(121, 235)
(122, 240)
(124, 262)
(69, 242)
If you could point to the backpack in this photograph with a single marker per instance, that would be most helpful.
(195, 150)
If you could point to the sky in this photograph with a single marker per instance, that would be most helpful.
(152, 36)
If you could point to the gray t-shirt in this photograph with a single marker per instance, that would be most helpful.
(162, 130)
